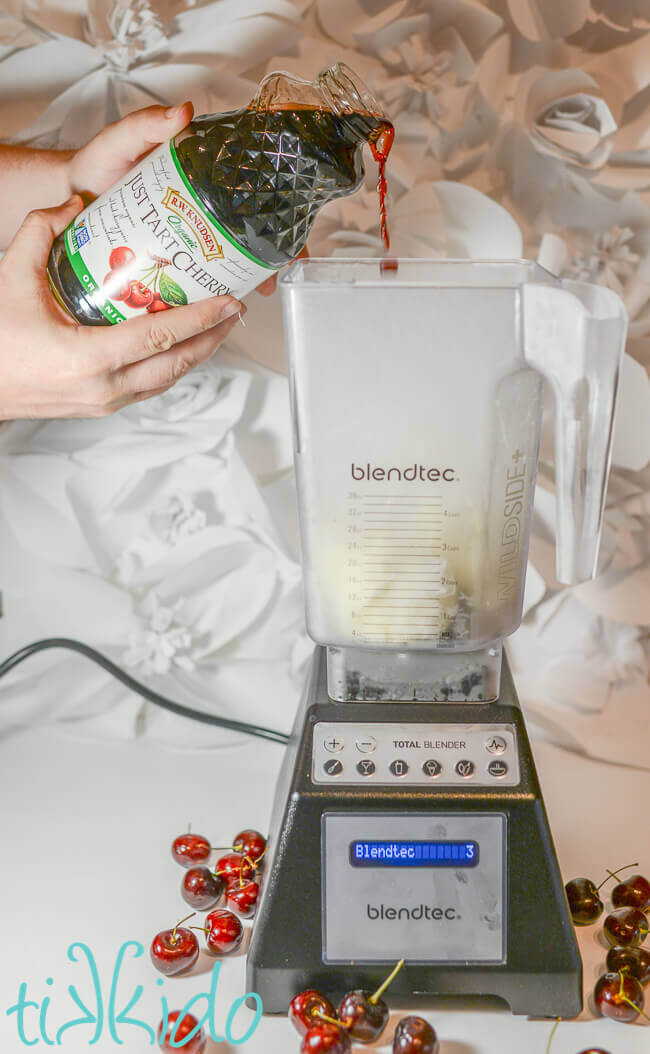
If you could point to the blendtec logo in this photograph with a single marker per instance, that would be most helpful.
(408, 474)
(422, 911)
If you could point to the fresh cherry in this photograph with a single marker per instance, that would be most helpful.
(201, 888)
(626, 926)
(633, 960)
(243, 899)
(250, 843)
(365, 1015)
(116, 285)
(414, 1035)
(619, 996)
(140, 295)
(234, 866)
(325, 1038)
(224, 932)
(157, 304)
(174, 951)
(178, 1033)
(309, 1008)
(584, 903)
(190, 849)
(633, 893)
(120, 257)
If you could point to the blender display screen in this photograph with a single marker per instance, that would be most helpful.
(413, 854)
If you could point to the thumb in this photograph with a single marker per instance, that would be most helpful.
(33, 239)
(135, 135)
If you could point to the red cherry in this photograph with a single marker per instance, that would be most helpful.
(325, 1037)
(116, 285)
(235, 866)
(140, 295)
(191, 849)
(201, 888)
(633, 893)
(225, 932)
(626, 926)
(414, 1035)
(120, 257)
(307, 1008)
(179, 1034)
(174, 951)
(157, 304)
(614, 995)
(365, 1014)
(249, 843)
(243, 899)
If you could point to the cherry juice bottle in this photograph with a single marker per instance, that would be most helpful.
(223, 205)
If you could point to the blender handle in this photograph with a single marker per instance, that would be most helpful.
(574, 335)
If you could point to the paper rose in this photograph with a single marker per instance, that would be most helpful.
(566, 116)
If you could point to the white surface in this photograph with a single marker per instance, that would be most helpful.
(86, 831)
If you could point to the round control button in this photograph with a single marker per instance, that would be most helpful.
(333, 744)
(333, 767)
(366, 744)
(398, 767)
(366, 767)
(465, 768)
(497, 769)
(496, 745)
(432, 768)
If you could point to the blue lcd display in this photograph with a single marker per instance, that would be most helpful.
(413, 854)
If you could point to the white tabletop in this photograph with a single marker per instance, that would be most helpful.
(86, 831)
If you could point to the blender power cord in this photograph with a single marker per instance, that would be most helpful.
(141, 689)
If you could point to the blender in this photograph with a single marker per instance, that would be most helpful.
(408, 820)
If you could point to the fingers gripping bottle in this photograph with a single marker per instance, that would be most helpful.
(223, 205)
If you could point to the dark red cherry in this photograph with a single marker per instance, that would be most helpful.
(625, 926)
(243, 899)
(225, 932)
(249, 843)
(178, 1035)
(594, 1050)
(191, 849)
(325, 1039)
(633, 893)
(174, 951)
(365, 1020)
(202, 889)
(234, 866)
(584, 902)
(414, 1035)
(619, 996)
(633, 960)
(365, 1014)
(307, 1008)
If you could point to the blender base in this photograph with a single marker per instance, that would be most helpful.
(487, 916)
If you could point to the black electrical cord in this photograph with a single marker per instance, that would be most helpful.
(141, 689)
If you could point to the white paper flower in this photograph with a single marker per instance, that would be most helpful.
(566, 116)
(177, 518)
(164, 642)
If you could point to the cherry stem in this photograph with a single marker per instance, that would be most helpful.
(614, 874)
(624, 997)
(200, 929)
(389, 980)
(186, 919)
(331, 1020)
(550, 1038)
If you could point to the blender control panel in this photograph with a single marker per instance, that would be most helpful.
(480, 755)
(426, 888)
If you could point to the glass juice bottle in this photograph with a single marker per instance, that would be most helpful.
(223, 205)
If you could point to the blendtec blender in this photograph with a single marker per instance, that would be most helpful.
(408, 821)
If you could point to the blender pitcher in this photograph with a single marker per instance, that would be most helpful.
(417, 406)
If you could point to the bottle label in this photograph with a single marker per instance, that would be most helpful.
(149, 244)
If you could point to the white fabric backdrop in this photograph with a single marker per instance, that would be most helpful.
(166, 534)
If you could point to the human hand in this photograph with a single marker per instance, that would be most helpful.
(51, 367)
